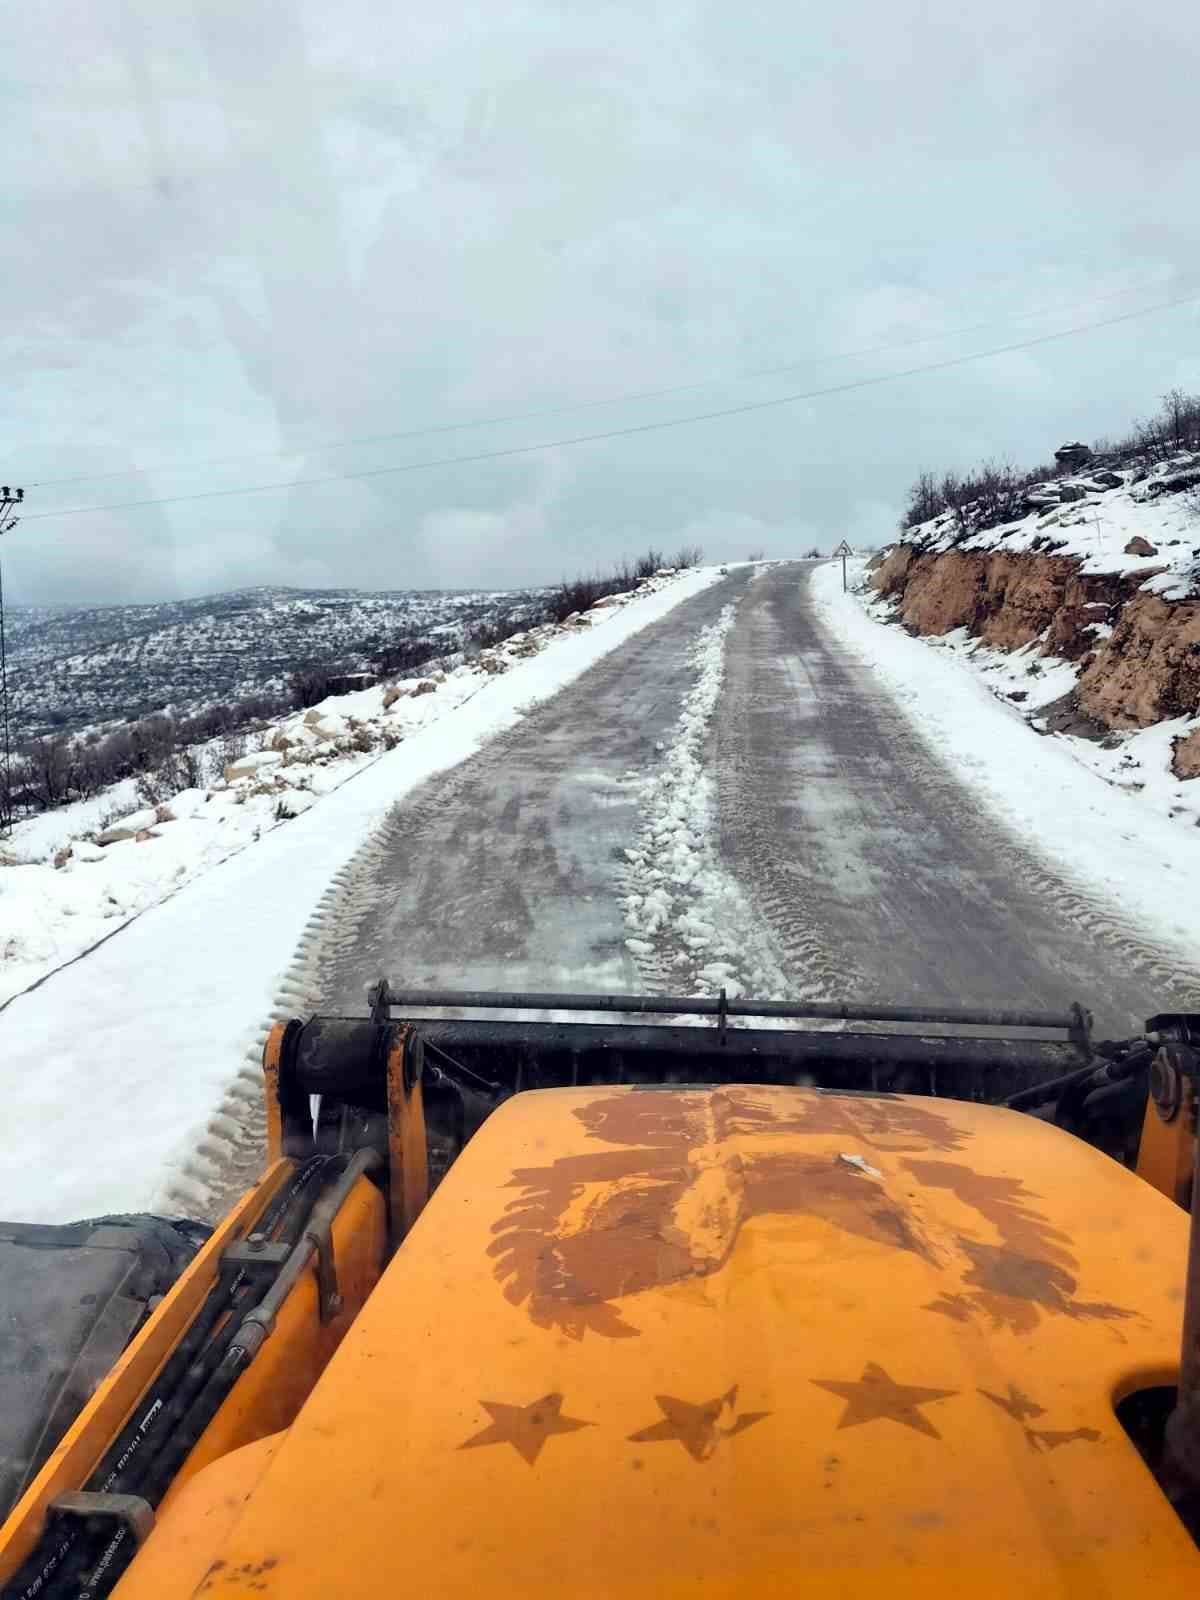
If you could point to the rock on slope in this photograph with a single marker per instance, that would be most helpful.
(1106, 575)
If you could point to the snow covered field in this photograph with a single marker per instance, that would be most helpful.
(1105, 836)
(113, 1068)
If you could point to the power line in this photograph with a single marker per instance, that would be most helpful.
(622, 433)
(628, 397)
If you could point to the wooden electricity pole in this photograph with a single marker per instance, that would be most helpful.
(10, 499)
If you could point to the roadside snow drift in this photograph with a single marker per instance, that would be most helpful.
(114, 1066)
(1113, 845)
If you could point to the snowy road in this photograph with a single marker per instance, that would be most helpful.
(506, 872)
(877, 866)
(868, 862)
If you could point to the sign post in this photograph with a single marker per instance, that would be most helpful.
(843, 550)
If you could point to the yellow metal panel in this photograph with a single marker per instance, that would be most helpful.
(106, 1413)
(1166, 1154)
(738, 1342)
(207, 1509)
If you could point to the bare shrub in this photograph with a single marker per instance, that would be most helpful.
(990, 495)
(308, 685)
(1174, 428)
(688, 555)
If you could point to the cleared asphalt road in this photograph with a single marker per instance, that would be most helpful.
(871, 863)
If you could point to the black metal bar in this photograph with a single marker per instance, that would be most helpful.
(767, 1044)
(545, 1054)
(702, 1006)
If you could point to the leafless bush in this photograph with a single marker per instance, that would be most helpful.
(987, 497)
(689, 555)
(577, 594)
(231, 748)
(1174, 428)
(182, 769)
(309, 684)
(48, 765)
(406, 655)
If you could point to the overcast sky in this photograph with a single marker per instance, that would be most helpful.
(260, 228)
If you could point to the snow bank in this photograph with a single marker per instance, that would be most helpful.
(1135, 761)
(113, 1068)
(58, 897)
(1098, 833)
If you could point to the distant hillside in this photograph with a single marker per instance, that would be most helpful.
(72, 666)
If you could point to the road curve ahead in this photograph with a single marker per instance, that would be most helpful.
(878, 869)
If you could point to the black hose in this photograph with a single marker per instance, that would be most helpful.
(1041, 1092)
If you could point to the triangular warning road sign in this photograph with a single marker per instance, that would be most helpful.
(843, 549)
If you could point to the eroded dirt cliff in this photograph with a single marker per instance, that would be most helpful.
(1138, 654)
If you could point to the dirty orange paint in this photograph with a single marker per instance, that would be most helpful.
(465, 1441)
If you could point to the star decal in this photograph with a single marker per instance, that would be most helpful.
(878, 1395)
(697, 1427)
(526, 1428)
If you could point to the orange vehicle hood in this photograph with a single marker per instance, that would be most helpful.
(743, 1341)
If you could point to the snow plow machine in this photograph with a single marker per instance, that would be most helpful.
(584, 1295)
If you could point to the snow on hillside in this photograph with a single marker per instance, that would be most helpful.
(1094, 516)
(1141, 522)
(70, 666)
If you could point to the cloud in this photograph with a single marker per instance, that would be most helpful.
(241, 228)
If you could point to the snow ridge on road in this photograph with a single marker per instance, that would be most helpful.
(692, 929)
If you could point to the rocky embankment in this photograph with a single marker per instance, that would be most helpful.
(1122, 605)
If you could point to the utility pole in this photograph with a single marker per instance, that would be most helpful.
(10, 499)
